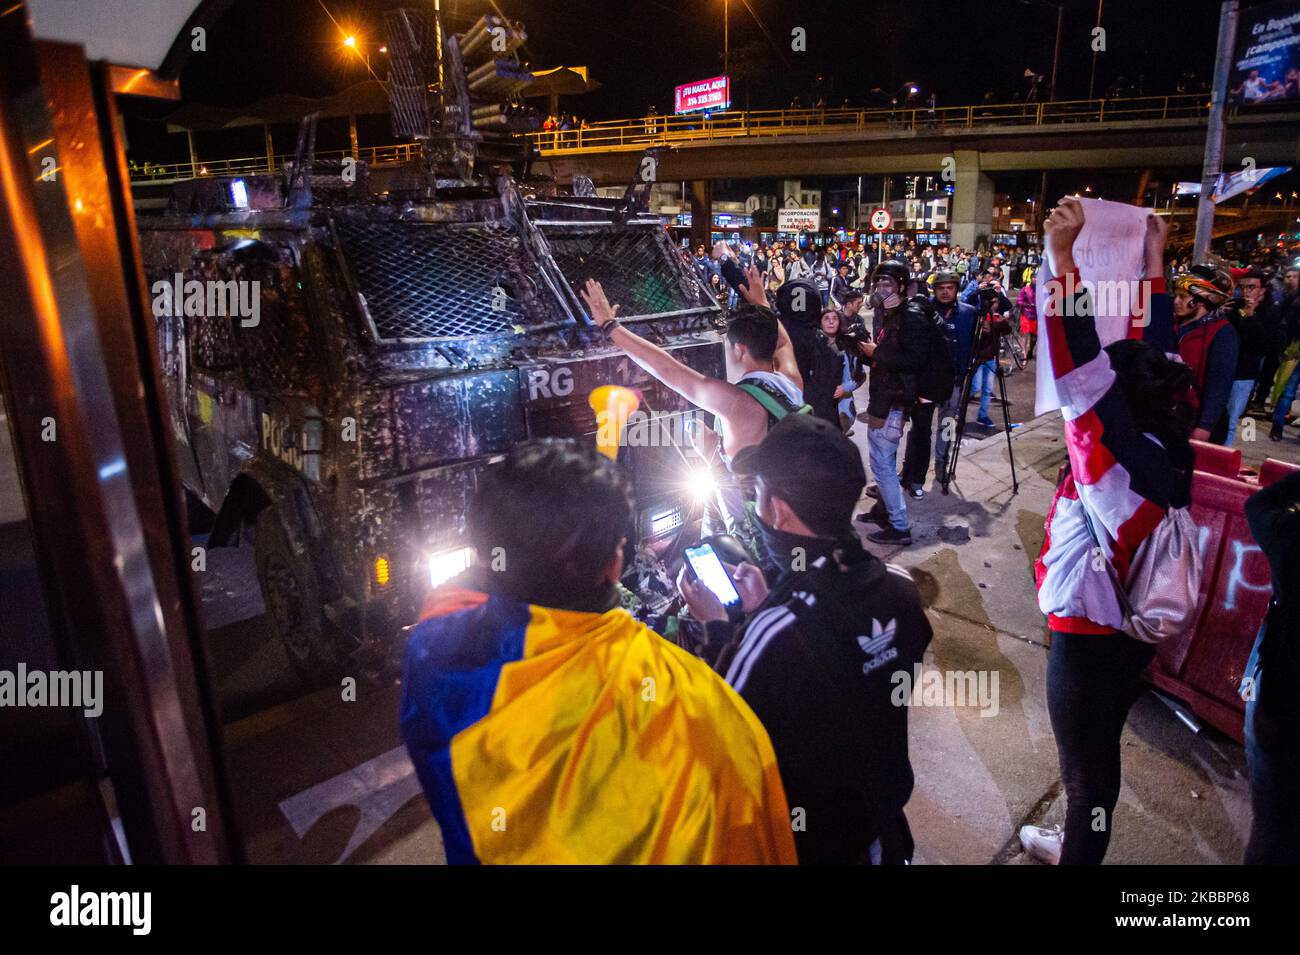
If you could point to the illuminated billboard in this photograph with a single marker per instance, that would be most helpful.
(712, 94)
(1267, 65)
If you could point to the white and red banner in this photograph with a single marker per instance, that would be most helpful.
(714, 94)
(1110, 255)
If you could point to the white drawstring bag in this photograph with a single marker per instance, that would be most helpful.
(1159, 600)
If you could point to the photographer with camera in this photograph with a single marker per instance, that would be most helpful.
(896, 355)
(991, 307)
(958, 320)
(815, 654)
(986, 286)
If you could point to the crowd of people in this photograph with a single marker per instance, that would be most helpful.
(548, 724)
(922, 302)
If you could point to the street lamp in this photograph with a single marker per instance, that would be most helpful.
(726, 36)
(1093, 75)
(1060, 22)
(359, 48)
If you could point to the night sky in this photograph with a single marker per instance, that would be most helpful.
(640, 49)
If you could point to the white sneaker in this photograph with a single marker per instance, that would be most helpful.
(1042, 843)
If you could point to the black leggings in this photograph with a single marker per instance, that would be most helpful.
(1092, 681)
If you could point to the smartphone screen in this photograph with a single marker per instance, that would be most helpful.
(709, 569)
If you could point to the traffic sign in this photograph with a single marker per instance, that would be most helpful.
(880, 219)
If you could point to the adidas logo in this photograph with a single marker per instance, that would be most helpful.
(881, 637)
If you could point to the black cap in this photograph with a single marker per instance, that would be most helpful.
(787, 302)
(809, 463)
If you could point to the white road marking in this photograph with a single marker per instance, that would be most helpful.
(378, 787)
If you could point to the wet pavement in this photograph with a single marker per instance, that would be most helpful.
(318, 778)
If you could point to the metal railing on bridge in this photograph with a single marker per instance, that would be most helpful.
(630, 134)
(262, 165)
(613, 135)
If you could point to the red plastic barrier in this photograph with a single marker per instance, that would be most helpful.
(1203, 667)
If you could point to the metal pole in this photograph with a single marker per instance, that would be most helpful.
(437, 30)
(726, 35)
(1093, 75)
(1213, 163)
(880, 236)
(1056, 56)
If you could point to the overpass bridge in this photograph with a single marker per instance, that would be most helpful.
(970, 143)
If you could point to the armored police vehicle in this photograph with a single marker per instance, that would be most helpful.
(346, 349)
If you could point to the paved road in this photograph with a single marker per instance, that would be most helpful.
(321, 779)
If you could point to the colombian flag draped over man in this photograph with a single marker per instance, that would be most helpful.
(556, 736)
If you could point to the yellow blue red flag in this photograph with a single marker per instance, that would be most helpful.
(555, 736)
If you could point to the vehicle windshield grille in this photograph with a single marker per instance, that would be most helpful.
(423, 282)
(633, 266)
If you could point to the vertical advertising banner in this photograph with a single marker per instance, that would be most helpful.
(1266, 67)
(711, 94)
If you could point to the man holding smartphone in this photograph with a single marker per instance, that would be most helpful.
(815, 655)
(638, 735)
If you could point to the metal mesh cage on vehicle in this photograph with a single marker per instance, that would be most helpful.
(633, 266)
(423, 281)
(212, 341)
(279, 352)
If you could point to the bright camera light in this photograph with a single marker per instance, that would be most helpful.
(702, 486)
(446, 564)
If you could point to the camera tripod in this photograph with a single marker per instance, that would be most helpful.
(978, 339)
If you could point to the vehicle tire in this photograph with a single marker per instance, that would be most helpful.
(292, 599)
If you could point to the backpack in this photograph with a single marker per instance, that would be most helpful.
(936, 379)
(774, 403)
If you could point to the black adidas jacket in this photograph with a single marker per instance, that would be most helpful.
(815, 663)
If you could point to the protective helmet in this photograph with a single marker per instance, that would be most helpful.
(1217, 276)
(894, 269)
(946, 277)
(1200, 287)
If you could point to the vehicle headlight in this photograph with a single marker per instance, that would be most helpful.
(702, 486)
(445, 564)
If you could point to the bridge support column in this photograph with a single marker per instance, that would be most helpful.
(701, 213)
(972, 202)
